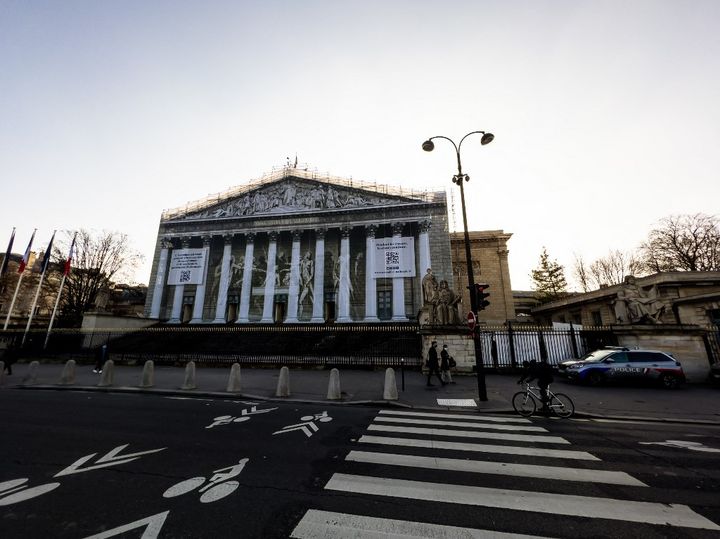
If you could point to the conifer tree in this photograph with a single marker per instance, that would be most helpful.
(549, 279)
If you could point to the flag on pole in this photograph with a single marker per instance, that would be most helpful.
(26, 256)
(48, 253)
(66, 271)
(6, 260)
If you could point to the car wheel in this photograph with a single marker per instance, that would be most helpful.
(669, 381)
(594, 378)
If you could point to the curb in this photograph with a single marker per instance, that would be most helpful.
(378, 403)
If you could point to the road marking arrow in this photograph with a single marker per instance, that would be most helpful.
(110, 459)
(300, 426)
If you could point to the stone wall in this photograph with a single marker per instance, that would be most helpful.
(684, 343)
(459, 346)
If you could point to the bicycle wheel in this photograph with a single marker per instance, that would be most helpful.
(562, 405)
(523, 403)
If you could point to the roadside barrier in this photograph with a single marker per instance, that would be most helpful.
(189, 382)
(106, 379)
(32, 374)
(334, 392)
(67, 378)
(234, 385)
(148, 374)
(390, 392)
(283, 385)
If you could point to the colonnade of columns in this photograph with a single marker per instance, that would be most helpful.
(295, 278)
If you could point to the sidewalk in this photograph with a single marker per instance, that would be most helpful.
(691, 403)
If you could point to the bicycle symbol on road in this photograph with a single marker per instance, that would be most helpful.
(218, 487)
(309, 427)
(244, 416)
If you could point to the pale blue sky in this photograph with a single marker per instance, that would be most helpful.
(605, 113)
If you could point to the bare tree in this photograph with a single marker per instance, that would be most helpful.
(99, 259)
(581, 273)
(608, 270)
(683, 243)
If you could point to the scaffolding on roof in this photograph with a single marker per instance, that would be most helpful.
(302, 172)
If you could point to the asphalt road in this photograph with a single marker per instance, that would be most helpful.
(81, 465)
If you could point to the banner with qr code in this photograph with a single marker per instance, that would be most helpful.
(394, 257)
(187, 266)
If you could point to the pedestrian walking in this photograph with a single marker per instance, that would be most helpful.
(446, 363)
(9, 358)
(100, 356)
(433, 365)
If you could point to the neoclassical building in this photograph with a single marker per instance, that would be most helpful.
(297, 247)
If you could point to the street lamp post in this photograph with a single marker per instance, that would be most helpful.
(460, 179)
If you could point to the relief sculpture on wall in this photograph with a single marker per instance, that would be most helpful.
(288, 197)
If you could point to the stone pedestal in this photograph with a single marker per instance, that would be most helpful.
(460, 346)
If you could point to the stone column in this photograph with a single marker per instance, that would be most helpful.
(178, 296)
(370, 281)
(221, 305)
(160, 277)
(269, 303)
(294, 288)
(199, 304)
(246, 291)
(424, 245)
(318, 315)
(398, 284)
(344, 286)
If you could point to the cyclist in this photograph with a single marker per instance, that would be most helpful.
(543, 372)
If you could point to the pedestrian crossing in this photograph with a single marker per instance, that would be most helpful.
(483, 476)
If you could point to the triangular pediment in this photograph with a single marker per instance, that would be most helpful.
(295, 195)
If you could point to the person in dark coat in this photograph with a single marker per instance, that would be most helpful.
(445, 365)
(543, 373)
(433, 365)
(9, 357)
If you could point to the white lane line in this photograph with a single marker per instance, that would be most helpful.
(497, 468)
(464, 417)
(467, 434)
(326, 525)
(519, 500)
(489, 426)
(479, 448)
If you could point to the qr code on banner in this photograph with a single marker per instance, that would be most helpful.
(392, 257)
(185, 276)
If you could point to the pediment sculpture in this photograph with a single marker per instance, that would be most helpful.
(635, 305)
(291, 196)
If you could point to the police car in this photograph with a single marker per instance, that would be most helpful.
(622, 364)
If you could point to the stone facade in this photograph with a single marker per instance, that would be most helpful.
(295, 247)
(489, 253)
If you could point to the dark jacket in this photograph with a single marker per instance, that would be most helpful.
(432, 358)
(444, 360)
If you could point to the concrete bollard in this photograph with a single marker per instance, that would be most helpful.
(390, 392)
(334, 392)
(32, 374)
(233, 385)
(67, 378)
(189, 376)
(283, 385)
(148, 374)
(106, 379)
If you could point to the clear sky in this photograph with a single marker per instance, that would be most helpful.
(606, 113)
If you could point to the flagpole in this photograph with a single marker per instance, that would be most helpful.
(12, 303)
(32, 310)
(45, 262)
(52, 318)
(66, 270)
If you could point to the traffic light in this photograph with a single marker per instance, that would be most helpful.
(480, 295)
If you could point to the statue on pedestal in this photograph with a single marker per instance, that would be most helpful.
(440, 302)
(636, 306)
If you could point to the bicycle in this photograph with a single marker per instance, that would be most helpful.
(525, 402)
